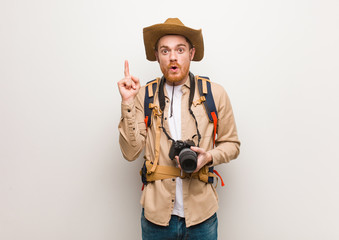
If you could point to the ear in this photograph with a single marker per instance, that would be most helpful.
(192, 52)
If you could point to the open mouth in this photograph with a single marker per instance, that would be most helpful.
(174, 68)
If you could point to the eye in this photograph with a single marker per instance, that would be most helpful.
(164, 51)
(180, 50)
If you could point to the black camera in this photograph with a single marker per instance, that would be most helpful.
(187, 157)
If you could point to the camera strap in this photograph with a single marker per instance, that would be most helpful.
(190, 101)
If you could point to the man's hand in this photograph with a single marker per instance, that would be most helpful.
(128, 86)
(203, 158)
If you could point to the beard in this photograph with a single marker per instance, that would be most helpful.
(176, 76)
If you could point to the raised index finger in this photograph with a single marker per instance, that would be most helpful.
(126, 69)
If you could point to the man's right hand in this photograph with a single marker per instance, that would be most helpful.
(128, 86)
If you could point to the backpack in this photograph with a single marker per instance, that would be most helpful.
(206, 97)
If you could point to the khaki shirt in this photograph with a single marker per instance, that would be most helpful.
(200, 199)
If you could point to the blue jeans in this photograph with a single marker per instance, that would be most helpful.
(207, 230)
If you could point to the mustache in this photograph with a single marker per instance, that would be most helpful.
(173, 65)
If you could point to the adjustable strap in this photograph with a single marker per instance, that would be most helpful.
(146, 122)
(222, 181)
(204, 175)
(215, 122)
(157, 113)
(150, 91)
(161, 172)
(199, 101)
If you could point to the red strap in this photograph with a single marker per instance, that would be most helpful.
(143, 186)
(222, 181)
(146, 120)
(215, 122)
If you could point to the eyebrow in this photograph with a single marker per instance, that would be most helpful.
(179, 45)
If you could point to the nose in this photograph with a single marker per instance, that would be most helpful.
(173, 56)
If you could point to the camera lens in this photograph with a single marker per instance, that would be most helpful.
(188, 160)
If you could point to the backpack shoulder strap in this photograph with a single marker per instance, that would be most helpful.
(204, 86)
(150, 91)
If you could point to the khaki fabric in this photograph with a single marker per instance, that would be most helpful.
(200, 199)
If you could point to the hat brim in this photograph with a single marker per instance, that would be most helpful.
(153, 33)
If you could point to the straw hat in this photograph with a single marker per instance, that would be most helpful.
(172, 26)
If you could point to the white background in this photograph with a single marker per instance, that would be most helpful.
(62, 175)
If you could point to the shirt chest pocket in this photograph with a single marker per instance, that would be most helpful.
(204, 124)
(200, 113)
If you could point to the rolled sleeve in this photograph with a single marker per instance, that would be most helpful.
(227, 144)
(132, 130)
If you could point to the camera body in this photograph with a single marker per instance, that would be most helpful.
(187, 157)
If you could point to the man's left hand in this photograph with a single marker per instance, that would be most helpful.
(203, 158)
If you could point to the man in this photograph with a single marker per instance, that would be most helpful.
(178, 203)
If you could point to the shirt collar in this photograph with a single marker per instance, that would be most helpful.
(188, 81)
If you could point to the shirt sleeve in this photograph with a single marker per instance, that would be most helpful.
(227, 144)
(132, 129)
